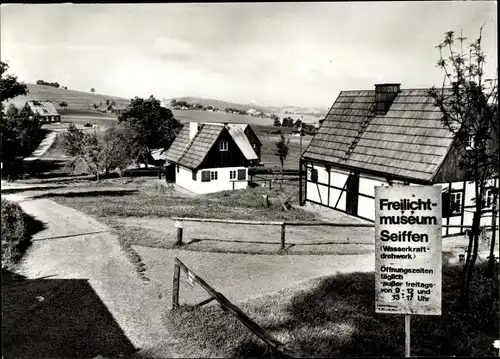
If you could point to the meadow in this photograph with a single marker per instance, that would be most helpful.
(76, 100)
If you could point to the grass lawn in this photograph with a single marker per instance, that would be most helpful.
(335, 317)
(151, 199)
(147, 199)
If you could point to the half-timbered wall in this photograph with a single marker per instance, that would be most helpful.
(328, 188)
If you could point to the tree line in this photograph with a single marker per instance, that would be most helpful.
(52, 84)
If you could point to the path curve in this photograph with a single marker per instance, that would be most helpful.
(76, 246)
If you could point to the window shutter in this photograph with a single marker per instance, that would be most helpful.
(446, 204)
(242, 174)
(314, 175)
(194, 175)
(205, 176)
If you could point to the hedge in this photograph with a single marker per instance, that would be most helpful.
(15, 236)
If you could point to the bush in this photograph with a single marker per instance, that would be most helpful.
(15, 236)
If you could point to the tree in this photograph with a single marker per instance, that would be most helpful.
(469, 104)
(113, 103)
(92, 90)
(173, 103)
(282, 153)
(287, 122)
(276, 122)
(149, 126)
(107, 102)
(63, 104)
(116, 152)
(102, 153)
(18, 131)
(9, 86)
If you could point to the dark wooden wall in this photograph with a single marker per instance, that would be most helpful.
(233, 157)
(254, 140)
(450, 170)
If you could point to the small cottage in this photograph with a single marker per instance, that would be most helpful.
(211, 157)
(381, 137)
(45, 110)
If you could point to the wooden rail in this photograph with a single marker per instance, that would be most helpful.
(229, 307)
(283, 225)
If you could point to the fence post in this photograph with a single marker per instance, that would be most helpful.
(179, 226)
(175, 288)
(283, 235)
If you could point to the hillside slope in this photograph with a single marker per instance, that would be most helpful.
(76, 100)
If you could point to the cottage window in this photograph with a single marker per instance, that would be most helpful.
(242, 174)
(194, 175)
(314, 175)
(452, 204)
(223, 146)
(487, 201)
(232, 174)
(205, 176)
(213, 175)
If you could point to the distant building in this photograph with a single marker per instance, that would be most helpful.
(210, 157)
(43, 109)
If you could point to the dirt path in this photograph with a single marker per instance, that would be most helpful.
(241, 277)
(75, 246)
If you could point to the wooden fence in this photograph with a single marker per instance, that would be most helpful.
(267, 338)
(282, 224)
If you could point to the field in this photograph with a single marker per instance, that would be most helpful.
(76, 100)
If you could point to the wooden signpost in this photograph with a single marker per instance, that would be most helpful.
(408, 251)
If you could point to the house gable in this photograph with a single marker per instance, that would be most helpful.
(216, 158)
(450, 170)
(254, 140)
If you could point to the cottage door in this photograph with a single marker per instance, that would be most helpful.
(352, 189)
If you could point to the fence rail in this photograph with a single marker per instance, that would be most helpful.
(283, 225)
(229, 307)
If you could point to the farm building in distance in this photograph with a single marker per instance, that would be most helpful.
(211, 157)
(386, 136)
(45, 110)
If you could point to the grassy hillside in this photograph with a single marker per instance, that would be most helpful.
(76, 100)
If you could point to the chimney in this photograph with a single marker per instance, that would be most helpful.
(384, 96)
(193, 129)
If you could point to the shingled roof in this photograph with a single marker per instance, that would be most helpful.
(191, 152)
(42, 108)
(409, 141)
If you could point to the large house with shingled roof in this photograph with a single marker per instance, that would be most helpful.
(382, 137)
(45, 110)
(212, 157)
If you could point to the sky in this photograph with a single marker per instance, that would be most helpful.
(271, 54)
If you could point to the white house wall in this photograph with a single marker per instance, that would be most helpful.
(318, 193)
(184, 178)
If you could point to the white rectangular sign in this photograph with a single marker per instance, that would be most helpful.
(408, 250)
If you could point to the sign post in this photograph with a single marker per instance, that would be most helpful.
(408, 252)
